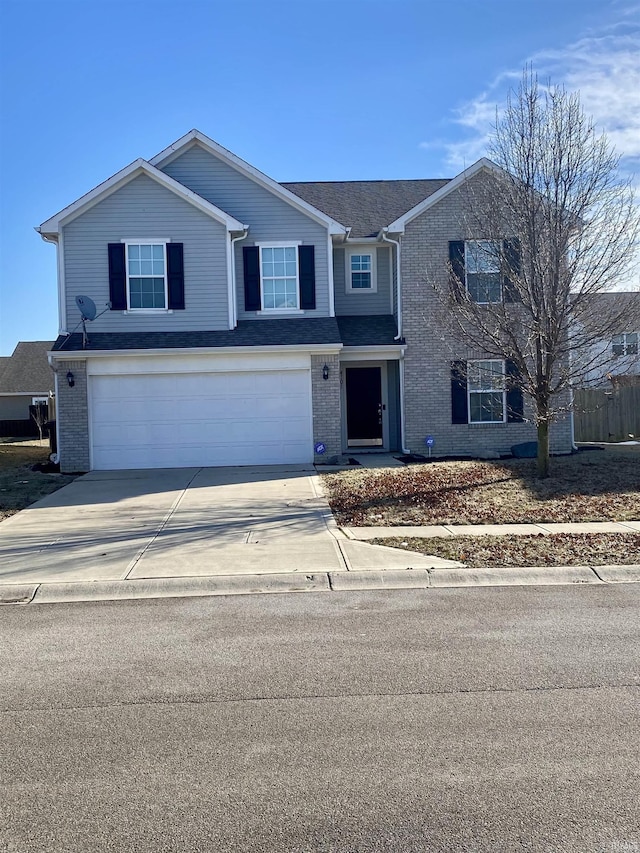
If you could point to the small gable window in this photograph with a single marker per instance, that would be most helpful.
(360, 271)
(482, 265)
(146, 276)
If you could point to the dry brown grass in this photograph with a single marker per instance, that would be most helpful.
(19, 485)
(589, 486)
(573, 549)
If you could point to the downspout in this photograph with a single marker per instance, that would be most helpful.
(398, 337)
(54, 367)
(396, 243)
(234, 300)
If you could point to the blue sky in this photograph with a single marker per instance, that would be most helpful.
(302, 89)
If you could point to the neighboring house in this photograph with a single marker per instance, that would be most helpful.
(26, 380)
(616, 360)
(242, 321)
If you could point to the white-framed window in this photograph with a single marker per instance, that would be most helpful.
(39, 401)
(626, 344)
(482, 269)
(486, 390)
(361, 271)
(146, 264)
(279, 279)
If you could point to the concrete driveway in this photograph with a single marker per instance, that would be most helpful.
(188, 522)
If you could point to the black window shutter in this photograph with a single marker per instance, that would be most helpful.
(515, 403)
(307, 274)
(175, 275)
(512, 262)
(456, 260)
(117, 277)
(459, 407)
(251, 263)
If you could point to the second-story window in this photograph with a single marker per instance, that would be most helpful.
(482, 266)
(360, 271)
(626, 344)
(279, 277)
(146, 276)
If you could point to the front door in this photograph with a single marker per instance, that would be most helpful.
(364, 406)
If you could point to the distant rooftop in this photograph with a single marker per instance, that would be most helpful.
(27, 370)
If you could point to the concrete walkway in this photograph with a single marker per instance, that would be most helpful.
(437, 530)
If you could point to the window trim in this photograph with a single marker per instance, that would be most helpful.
(146, 241)
(363, 250)
(497, 243)
(487, 390)
(279, 244)
(626, 347)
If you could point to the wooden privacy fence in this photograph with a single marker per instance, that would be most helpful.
(607, 415)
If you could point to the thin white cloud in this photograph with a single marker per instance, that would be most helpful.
(604, 67)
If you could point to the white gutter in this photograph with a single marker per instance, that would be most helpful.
(84, 355)
(396, 243)
(233, 296)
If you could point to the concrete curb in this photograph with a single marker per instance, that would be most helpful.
(286, 582)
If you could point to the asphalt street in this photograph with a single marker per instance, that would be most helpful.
(484, 719)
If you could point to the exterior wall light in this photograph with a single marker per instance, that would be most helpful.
(71, 379)
(325, 371)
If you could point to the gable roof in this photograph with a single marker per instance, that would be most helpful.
(398, 225)
(139, 167)
(27, 371)
(366, 206)
(195, 137)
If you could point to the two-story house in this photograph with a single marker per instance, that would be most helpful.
(243, 321)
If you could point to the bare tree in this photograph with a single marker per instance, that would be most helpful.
(546, 232)
(40, 416)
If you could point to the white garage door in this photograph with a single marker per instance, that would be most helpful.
(193, 419)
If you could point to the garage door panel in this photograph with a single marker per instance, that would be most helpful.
(209, 419)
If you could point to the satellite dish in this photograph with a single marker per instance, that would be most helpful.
(87, 307)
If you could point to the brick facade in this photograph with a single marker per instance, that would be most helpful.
(73, 417)
(326, 405)
(431, 347)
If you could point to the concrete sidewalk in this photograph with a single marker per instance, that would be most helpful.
(443, 530)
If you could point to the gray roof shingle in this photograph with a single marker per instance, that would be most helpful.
(27, 370)
(350, 331)
(368, 331)
(366, 206)
(249, 333)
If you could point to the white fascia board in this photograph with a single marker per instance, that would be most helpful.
(83, 355)
(398, 225)
(115, 182)
(240, 165)
(377, 349)
(25, 393)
